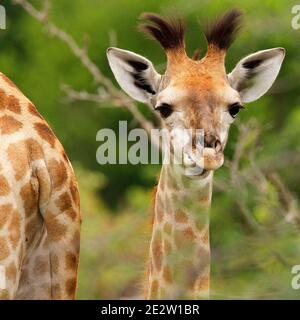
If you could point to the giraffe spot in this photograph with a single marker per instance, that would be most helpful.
(157, 252)
(18, 157)
(65, 156)
(6, 212)
(181, 217)
(11, 271)
(8, 81)
(9, 124)
(41, 265)
(45, 133)
(167, 228)
(167, 247)
(34, 149)
(4, 186)
(184, 237)
(56, 290)
(56, 230)
(70, 287)
(167, 274)
(32, 110)
(74, 192)
(159, 210)
(203, 283)
(71, 261)
(76, 241)
(54, 263)
(154, 290)
(14, 229)
(13, 104)
(3, 99)
(64, 203)
(29, 195)
(4, 250)
(58, 173)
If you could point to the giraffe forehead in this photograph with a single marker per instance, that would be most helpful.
(198, 91)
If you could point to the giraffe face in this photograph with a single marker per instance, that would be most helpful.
(198, 99)
(196, 94)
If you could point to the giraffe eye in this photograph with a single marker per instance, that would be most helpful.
(165, 110)
(234, 109)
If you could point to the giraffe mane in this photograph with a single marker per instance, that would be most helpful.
(222, 32)
(169, 32)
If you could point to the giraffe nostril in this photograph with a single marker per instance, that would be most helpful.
(212, 142)
(218, 145)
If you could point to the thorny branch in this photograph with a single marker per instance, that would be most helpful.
(107, 90)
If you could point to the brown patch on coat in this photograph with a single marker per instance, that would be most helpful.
(159, 212)
(32, 110)
(35, 150)
(30, 196)
(75, 192)
(4, 186)
(13, 104)
(58, 173)
(45, 133)
(8, 81)
(9, 124)
(56, 230)
(11, 271)
(184, 237)
(6, 212)
(15, 229)
(3, 100)
(167, 274)
(157, 251)
(64, 203)
(70, 287)
(181, 217)
(71, 261)
(18, 157)
(154, 290)
(4, 250)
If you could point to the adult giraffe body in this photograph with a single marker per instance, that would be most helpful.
(190, 95)
(39, 204)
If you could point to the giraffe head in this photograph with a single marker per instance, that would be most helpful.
(196, 94)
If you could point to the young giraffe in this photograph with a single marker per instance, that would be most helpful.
(195, 95)
(39, 204)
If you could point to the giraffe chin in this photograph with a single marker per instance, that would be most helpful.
(213, 160)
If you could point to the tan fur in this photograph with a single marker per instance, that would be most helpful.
(39, 204)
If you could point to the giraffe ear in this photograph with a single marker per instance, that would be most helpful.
(254, 75)
(134, 73)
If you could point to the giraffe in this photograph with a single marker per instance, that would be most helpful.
(191, 94)
(39, 204)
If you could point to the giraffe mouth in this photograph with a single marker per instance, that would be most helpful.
(209, 160)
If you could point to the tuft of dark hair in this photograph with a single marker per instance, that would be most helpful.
(169, 32)
(223, 30)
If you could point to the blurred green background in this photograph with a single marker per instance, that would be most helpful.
(254, 218)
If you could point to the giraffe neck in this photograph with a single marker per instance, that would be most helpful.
(179, 250)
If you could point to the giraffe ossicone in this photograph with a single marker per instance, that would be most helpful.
(194, 94)
(39, 205)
